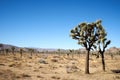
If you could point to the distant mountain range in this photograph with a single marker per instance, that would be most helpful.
(8, 46)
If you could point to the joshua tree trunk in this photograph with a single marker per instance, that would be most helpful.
(6, 50)
(21, 54)
(31, 54)
(13, 50)
(72, 55)
(13, 53)
(103, 61)
(87, 62)
(68, 54)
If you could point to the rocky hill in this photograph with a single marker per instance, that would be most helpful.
(8, 46)
(113, 50)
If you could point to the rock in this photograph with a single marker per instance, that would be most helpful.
(26, 75)
(56, 56)
(116, 71)
(30, 57)
(42, 61)
(45, 56)
(12, 65)
(2, 64)
(55, 77)
(40, 76)
(71, 68)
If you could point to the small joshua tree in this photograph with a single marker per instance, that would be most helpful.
(72, 53)
(102, 41)
(6, 50)
(86, 34)
(13, 50)
(68, 53)
(31, 51)
(59, 51)
(21, 52)
(2, 48)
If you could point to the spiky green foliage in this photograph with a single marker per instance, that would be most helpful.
(88, 34)
(102, 42)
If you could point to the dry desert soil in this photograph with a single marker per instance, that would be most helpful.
(57, 67)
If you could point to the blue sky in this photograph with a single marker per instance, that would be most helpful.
(46, 23)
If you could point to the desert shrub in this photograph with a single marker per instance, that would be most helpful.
(26, 75)
(42, 61)
(54, 60)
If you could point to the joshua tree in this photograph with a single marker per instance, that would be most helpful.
(21, 52)
(59, 51)
(78, 53)
(13, 50)
(87, 35)
(31, 51)
(102, 42)
(2, 48)
(6, 50)
(70, 52)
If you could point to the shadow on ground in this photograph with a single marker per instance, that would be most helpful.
(116, 71)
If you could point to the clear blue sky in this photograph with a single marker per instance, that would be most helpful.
(46, 23)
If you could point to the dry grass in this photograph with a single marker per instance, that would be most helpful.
(57, 68)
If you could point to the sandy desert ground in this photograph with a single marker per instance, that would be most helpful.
(55, 67)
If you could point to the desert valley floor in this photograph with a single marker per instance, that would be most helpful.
(57, 67)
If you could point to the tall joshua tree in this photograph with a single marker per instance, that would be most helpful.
(86, 34)
(102, 42)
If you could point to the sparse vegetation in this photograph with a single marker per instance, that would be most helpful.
(54, 65)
